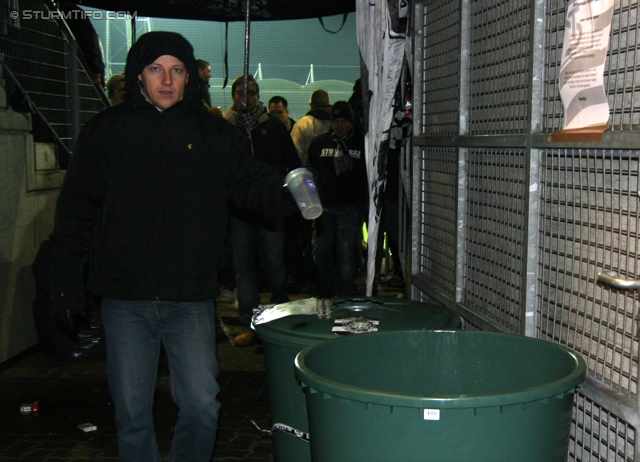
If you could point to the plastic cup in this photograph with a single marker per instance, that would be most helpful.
(303, 189)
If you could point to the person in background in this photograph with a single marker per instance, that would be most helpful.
(252, 235)
(88, 40)
(216, 111)
(115, 89)
(279, 106)
(204, 74)
(314, 123)
(293, 239)
(147, 191)
(337, 160)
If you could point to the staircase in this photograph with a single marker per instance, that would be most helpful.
(45, 74)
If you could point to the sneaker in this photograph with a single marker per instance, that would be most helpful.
(228, 296)
(245, 339)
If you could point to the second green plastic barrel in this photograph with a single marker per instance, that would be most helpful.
(284, 338)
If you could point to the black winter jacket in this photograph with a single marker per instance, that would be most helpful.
(149, 190)
(349, 187)
(273, 147)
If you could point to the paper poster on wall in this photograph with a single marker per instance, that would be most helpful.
(586, 40)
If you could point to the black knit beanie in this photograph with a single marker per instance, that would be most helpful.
(341, 110)
(152, 45)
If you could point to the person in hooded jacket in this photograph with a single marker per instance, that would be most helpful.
(253, 237)
(315, 122)
(147, 192)
(337, 160)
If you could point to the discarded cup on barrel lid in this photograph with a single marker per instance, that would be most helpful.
(303, 189)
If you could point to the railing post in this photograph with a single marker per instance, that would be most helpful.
(73, 92)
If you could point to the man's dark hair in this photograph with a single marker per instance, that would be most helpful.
(202, 64)
(240, 81)
(279, 100)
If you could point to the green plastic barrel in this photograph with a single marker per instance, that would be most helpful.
(284, 338)
(439, 396)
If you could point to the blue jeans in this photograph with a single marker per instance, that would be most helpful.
(134, 332)
(336, 245)
(248, 241)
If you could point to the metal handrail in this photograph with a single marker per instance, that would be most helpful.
(611, 278)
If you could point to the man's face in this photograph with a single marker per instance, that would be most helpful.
(252, 99)
(206, 73)
(340, 126)
(164, 80)
(279, 110)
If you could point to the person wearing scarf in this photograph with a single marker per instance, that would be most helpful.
(337, 160)
(251, 234)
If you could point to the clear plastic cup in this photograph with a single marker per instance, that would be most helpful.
(303, 189)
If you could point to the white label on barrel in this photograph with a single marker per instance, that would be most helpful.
(432, 414)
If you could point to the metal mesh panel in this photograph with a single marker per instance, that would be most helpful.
(495, 235)
(441, 58)
(589, 220)
(438, 192)
(39, 57)
(499, 67)
(424, 298)
(598, 436)
(468, 325)
(552, 104)
(623, 60)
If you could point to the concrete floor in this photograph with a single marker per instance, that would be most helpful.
(75, 392)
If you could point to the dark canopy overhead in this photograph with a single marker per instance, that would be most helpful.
(226, 10)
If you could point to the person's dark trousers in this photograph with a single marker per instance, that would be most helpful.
(226, 273)
(336, 241)
(293, 251)
(248, 242)
(135, 330)
(311, 270)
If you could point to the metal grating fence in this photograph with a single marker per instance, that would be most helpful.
(499, 72)
(598, 435)
(589, 223)
(441, 58)
(535, 221)
(621, 67)
(495, 239)
(438, 218)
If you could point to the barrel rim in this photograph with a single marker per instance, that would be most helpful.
(556, 388)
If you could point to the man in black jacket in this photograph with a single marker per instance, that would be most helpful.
(147, 191)
(337, 159)
(251, 234)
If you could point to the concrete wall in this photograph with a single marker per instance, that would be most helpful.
(29, 185)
